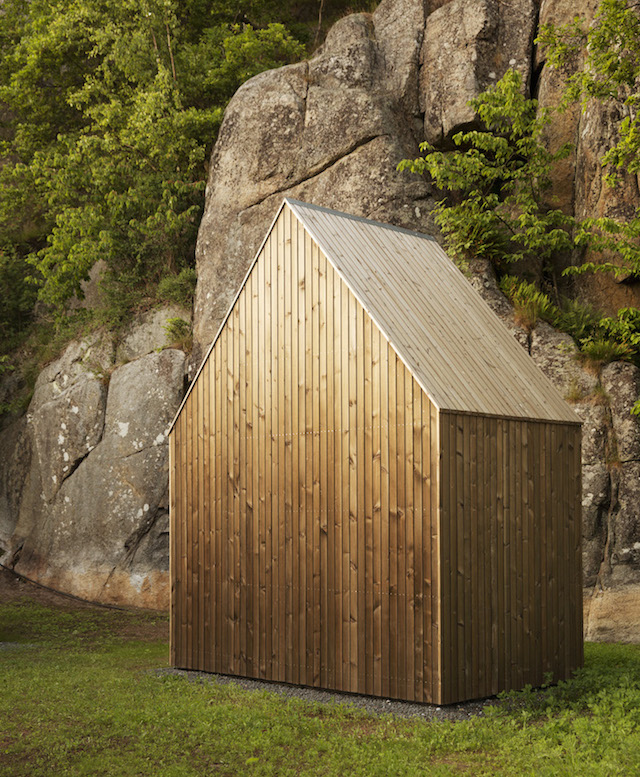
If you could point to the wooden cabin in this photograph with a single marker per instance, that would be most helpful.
(373, 487)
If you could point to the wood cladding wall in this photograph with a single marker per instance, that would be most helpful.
(304, 473)
(511, 575)
(331, 527)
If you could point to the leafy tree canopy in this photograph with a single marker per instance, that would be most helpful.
(109, 112)
(499, 177)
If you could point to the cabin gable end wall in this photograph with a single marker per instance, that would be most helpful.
(304, 512)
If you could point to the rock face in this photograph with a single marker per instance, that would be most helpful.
(331, 131)
(84, 473)
(83, 483)
(622, 384)
(148, 333)
(466, 48)
(579, 181)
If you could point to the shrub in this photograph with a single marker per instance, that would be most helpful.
(599, 350)
(500, 176)
(577, 319)
(178, 288)
(530, 304)
(179, 333)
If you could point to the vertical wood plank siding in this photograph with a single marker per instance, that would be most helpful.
(331, 527)
(511, 559)
(289, 503)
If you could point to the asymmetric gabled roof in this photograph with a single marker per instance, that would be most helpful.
(453, 343)
(455, 346)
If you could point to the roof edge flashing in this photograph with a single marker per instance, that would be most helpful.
(362, 219)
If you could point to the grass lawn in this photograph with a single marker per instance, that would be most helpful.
(79, 696)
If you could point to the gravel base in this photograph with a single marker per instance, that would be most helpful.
(371, 704)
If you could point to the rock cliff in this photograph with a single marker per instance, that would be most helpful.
(88, 513)
(83, 475)
(332, 130)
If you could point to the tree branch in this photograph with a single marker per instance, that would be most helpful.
(173, 64)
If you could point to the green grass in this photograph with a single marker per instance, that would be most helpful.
(81, 697)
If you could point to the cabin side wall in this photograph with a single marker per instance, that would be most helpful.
(511, 556)
(304, 493)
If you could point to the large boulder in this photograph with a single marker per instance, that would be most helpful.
(564, 126)
(580, 186)
(597, 487)
(621, 381)
(149, 332)
(622, 384)
(557, 356)
(91, 515)
(15, 463)
(66, 429)
(329, 131)
(612, 614)
(594, 197)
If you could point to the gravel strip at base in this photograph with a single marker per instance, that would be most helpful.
(371, 704)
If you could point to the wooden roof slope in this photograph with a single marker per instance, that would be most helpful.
(456, 347)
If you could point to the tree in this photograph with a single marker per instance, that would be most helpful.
(499, 177)
(110, 114)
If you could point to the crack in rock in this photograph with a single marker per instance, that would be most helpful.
(75, 466)
(318, 170)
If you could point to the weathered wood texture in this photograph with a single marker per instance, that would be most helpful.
(304, 534)
(511, 559)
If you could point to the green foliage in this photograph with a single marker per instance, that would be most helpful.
(600, 339)
(576, 318)
(17, 295)
(110, 115)
(529, 302)
(600, 350)
(499, 176)
(611, 71)
(178, 288)
(622, 333)
(87, 692)
(606, 236)
(176, 328)
(5, 367)
(179, 333)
